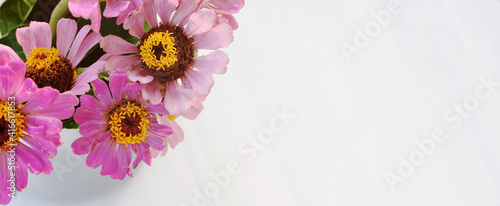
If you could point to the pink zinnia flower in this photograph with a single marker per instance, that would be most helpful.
(29, 126)
(119, 123)
(91, 9)
(55, 67)
(165, 61)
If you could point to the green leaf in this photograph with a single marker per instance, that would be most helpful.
(10, 40)
(70, 123)
(13, 13)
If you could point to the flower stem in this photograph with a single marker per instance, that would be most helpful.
(59, 12)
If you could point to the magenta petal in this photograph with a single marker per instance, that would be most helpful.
(19, 69)
(66, 31)
(41, 99)
(52, 125)
(6, 81)
(38, 34)
(133, 89)
(92, 129)
(218, 37)
(215, 62)
(21, 176)
(115, 45)
(117, 83)
(11, 54)
(81, 145)
(62, 108)
(40, 144)
(200, 22)
(96, 157)
(29, 158)
(102, 92)
(82, 116)
(109, 163)
(91, 103)
(29, 87)
(4, 175)
(140, 155)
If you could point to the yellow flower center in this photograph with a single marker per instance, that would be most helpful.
(47, 68)
(159, 51)
(11, 126)
(128, 122)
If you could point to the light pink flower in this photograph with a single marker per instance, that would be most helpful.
(176, 75)
(225, 10)
(116, 124)
(91, 9)
(55, 67)
(36, 115)
(172, 140)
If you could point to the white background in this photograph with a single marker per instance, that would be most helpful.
(353, 120)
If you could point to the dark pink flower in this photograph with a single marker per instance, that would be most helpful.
(116, 124)
(30, 123)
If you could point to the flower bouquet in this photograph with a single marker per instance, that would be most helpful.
(121, 72)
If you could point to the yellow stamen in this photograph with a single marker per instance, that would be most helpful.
(9, 114)
(119, 115)
(40, 57)
(171, 117)
(168, 54)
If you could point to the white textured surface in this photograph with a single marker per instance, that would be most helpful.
(353, 120)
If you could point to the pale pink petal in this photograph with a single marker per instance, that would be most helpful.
(167, 8)
(229, 6)
(38, 34)
(149, 12)
(200, 22)
(114, 7)
(87, 43)
(201, 81)
(133, 90)
(176, 99)
(194, 109)
(151, 92)
(157, 109)
(140, 75)
(215, 62)
(185, 9)
(218, 37)
(87, 9)
(115, 45)
(123, 62)
(66, 31)
(135, 24)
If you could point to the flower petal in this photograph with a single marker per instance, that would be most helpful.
(115, 45)
(215, 62)
(66, 31)
(38, 34)
(218, 37)
(101, 91)
(200, 22)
